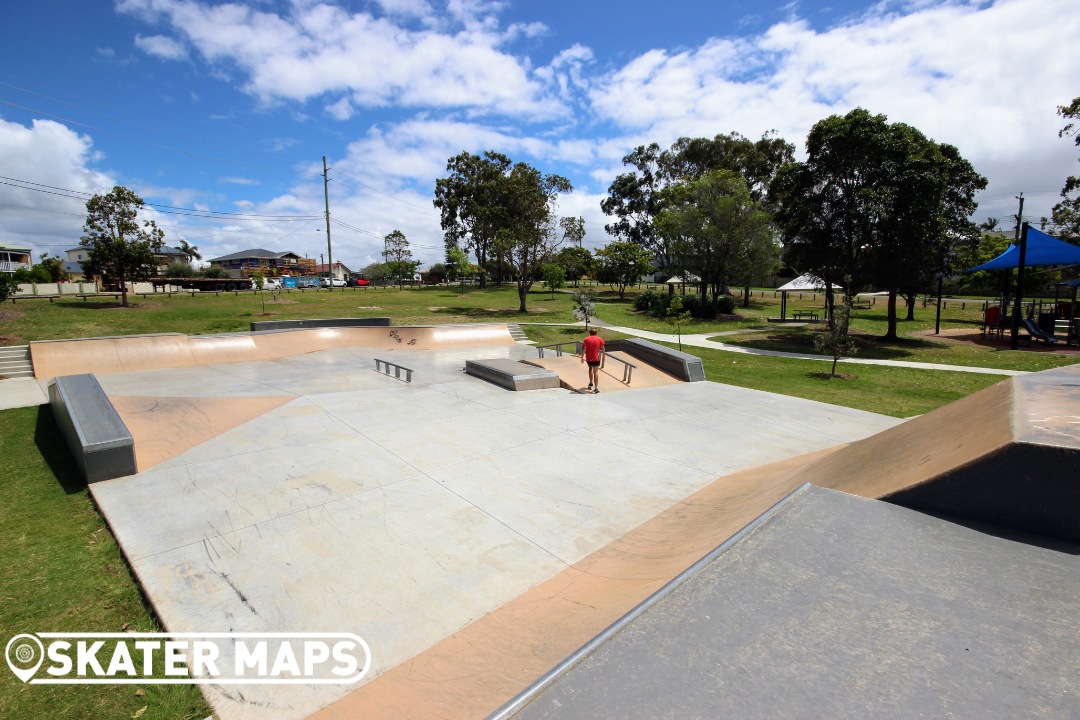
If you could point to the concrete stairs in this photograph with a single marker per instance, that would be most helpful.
(518, 334)
(15, 362)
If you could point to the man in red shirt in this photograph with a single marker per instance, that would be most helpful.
(592, 353)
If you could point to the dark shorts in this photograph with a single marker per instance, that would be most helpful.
(593, 363)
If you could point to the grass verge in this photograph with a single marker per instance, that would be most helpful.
(63, 572)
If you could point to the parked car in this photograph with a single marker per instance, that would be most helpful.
(325, 282)
(271, 284)
(357, 282)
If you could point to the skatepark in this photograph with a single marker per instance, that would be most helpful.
(500, 548)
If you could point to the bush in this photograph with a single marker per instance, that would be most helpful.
(725, 305)
(179, 269)
(215, 271)
(649, 301)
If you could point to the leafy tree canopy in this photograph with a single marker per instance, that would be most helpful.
(121, 250)
(1066, 214)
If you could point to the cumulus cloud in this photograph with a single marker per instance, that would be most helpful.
(320, 50)
(160, 46)
(46, 221)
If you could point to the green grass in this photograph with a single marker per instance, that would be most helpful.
(31, 320)
(898, 392)
(63, 572)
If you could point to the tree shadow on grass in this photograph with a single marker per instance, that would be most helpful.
(475, 312)
(97, 305)
(54, 450)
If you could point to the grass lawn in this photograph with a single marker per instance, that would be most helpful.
(63, 572)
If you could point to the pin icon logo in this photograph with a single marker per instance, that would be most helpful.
(24, 655)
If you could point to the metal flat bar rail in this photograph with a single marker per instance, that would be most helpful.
(628, 367)
(384, 366)
(559, 348)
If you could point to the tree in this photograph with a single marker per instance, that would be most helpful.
(636, 198)
(192, 251)
(120, 250)
(622, 264)
(584, 305)
(376, 271)
(53, 268)
(577, 261)
(676, 316)
(718, 230)
(458, 263)
(398, 256)
(1066, 214)
(472, 203)
(554, 277)
(874, 202)
(836, 340)
(8, 286)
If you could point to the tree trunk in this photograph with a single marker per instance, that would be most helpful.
(891, 334)
(523, 292)
(746, 296)
(910, 300)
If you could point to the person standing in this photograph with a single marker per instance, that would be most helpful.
(593, 352)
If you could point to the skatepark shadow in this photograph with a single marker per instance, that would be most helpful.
(1018, 536)
(50, 443)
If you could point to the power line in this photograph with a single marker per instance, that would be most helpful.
(170, 209)
(153, 144)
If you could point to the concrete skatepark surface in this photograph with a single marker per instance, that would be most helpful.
(323, 496)
(476, 537)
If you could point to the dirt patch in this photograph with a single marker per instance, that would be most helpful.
(9, 315)
(971, 336)
(8, 340)
(837, 376)
(266, 314)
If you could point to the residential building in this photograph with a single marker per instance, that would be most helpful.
(271, 264)
(77, 255)
(340, 271)
(13, 257)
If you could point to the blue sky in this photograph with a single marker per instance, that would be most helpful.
(220, 113)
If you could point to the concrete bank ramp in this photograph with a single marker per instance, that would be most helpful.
(1007, 455)
(149, 352)
(1006, 452)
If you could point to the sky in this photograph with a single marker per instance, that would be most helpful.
(219, 114)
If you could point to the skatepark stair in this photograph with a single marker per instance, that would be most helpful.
(518, 334)
(15, 362)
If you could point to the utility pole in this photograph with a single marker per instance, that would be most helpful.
(329, 251)
(1021, 242)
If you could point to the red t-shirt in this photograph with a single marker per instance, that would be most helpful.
(593, 344)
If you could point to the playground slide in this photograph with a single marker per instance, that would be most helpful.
(1037, 332)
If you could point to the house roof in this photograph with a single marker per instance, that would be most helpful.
(323, 267)
(12, 246)
(254, 253)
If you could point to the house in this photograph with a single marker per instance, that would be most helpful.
(248, 262)
(340, 271)
(13, 257)
(163, 257)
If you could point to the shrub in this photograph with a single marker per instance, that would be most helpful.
(725, 304)
(215, 271)
(649, 301)
(179, 269)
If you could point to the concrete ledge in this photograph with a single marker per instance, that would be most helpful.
(682, 365)
(319, 323)
(96, 436)
(512, 375)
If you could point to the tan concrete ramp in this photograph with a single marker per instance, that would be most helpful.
(575, 375)
(164, 427)
(150, 352)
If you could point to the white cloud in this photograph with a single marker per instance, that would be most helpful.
(983, 76)
(239, 181)
(59, 158)
(406, 8)
(319, 50)
(160, 46)
(341, 110)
